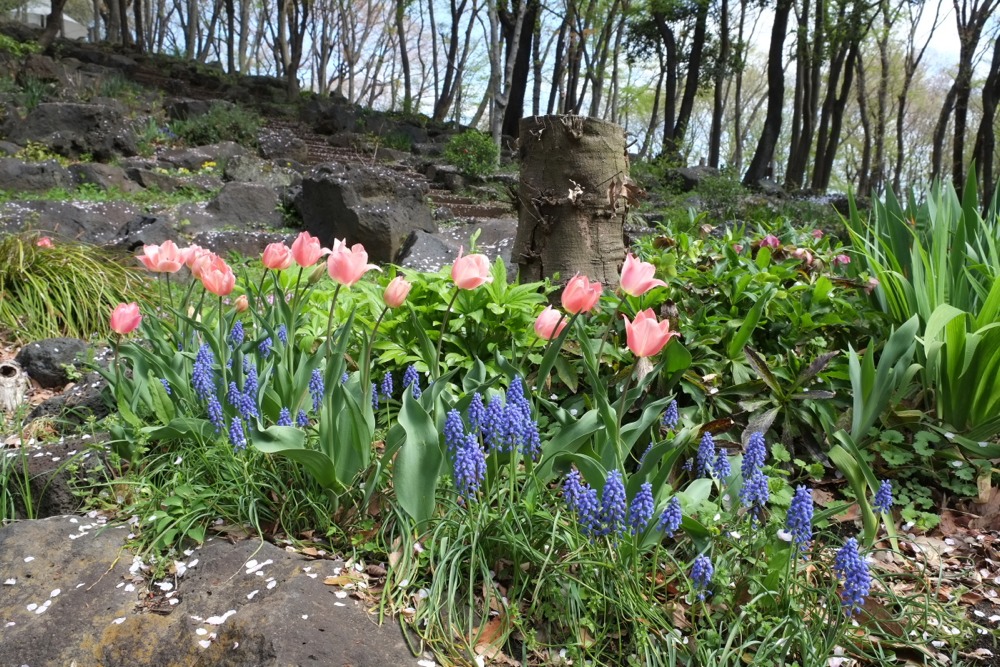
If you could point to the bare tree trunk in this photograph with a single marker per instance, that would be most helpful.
(986, 136)
(718, 94)
(566, 223)
(761, 162)
(404, 56)
(864, 184)
(53, 25)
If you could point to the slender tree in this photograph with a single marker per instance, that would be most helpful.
(760, 164)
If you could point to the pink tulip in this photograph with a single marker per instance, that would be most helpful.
(215, 275)
(637, 276)
(581, 295)
(396, 292)
(645, 336)
(471, 271)
(191, 254)
(44, 242)
(306, 250)
(841, 259)
(277, 256)
(125, 318)
(241, 303)
(770, 241)
(346, 266)
(164, 258)
(817, 234)
(549, 324)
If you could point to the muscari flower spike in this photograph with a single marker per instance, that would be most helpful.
(613, 505)
(640, 511)
(316, 388)
(202, 375)
(852, 570)
(799, 518)
(374, 396)
(285, 417)
(671, 416)
(166, 386)
(469, 466)
(883, 497)
(476, 412)
(411, 378)
(302, 419)
(282, 334)
(705, 458)
(670, 519)
(264, 348)
(721, 468)
(454, 431)
(236, 335)
(701, 575)
(215, 414)
(754, 494)
(387, 387)
(236, 434)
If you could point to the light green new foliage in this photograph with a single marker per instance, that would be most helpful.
(66, 290)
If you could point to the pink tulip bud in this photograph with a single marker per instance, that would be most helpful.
(125, 318)
(396, 292)
(637, 276)
(646, 336)
(306, 250)
(346, 266)
(241, 303)
(550, 324)
(192, 253)
(581, 295)
(216, 275)
(44, 242)
(277, 256)
(164, 258)
(471, 271)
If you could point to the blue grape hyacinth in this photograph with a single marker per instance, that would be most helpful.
(701, 576)
(670, 519)
(236, 335)
(582, 499)
(285, 417)
(215, 414)
(236, 435)
(705, 458)
(316, 388)
(883, 497)
(469, 466)
(850, 567)
(302, 419)
(166, 386)
(202, 374)
(754, 494)
(671, 416)
(613, 505)
(800, 516)
(721, 468)
(387, 387)
(282, 334)
(454, 431)
(265, 346)
(640, 510)
(411, 378)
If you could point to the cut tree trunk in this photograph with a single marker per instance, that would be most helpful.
(574, 181)
(13, 385)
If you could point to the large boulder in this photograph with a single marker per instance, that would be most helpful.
(372, 205)
(282, 144)
(88, 222)
(75, 129)
(102, 176)
(73, 594)
(20, 176)
(193, 159)
(246, 204)
(50, 362)
(248, 169)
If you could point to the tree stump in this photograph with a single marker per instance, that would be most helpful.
(573, 193)
(13, 386)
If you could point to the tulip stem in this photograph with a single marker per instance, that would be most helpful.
(611, 323)
(222, 344)
(329, 323)
(366, 368)
(620, 416)
(444, 322)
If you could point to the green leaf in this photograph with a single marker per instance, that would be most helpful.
(163, 407)
(418, 463)
(182, 428)
(742, 336)
(290, 442)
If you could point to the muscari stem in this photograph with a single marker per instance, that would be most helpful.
(435, 371)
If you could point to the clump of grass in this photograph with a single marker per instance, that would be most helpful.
(68, 289)
(221, 123)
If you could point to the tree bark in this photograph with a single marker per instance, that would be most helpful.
(986, 137)
(53, 25)
(761, 161)
(566, 223)
(719, 96)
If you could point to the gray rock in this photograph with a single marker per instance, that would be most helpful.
(426, 252)
(193, 159)
(185, 108)
(282, 144)
(88, 222)
(225, 615)
(104, 176)
(688, 178)
(447, 175)
(248, 169)
(46, 361)
(9, 149)
(54, 470)
(154, 180)
(20, 176)
(374, 206)
(246, 204)
(428, 150)
(143, 230)
(246, 243)
(769, 188)
(75, 129)
(73, 407)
